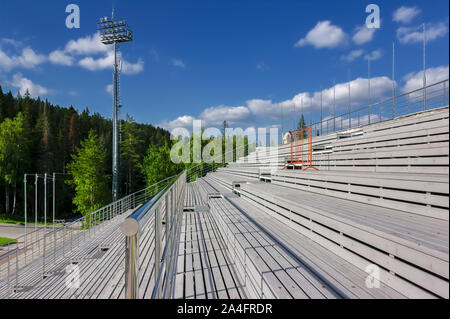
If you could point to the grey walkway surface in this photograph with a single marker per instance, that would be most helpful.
(11, 230)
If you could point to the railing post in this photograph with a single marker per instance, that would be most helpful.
(445, 93)
(43, 257)
(393, 107)
(168, 209)
(130, 228)
(9, 266)
(157, 240)
(381, 112)
(407, 104)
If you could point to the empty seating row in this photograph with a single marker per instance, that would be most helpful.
(416, 143)
(204, 268)
(411, 246)
(279, 262)
(422, 194)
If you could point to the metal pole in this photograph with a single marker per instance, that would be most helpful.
(321, 111)
(424, 70)
(282, 121)
(368, 87)
(54, 178)
(349, 101)
(393, 80)
(301, 107)
(334, 106)
(310, 112)
(35, 201)
(45, 202)
(45, 222)
(115, 163)
(25, 199)
(293, 119)
(445, 94)
(157, 240)
(131, 267)
(36, 209)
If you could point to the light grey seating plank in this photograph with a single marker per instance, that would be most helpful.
(401, 250)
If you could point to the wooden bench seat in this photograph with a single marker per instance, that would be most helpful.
(414, 247)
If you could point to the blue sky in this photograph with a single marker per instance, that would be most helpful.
(244, 61)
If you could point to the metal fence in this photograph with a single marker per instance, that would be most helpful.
(166, 206)
(163, 207)
(433, 96)
(37, 251)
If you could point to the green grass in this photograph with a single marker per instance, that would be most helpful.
(4, 241)
(4, 219)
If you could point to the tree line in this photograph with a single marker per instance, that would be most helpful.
(39, 137)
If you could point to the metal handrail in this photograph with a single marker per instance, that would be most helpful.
(393, 107)
(131, 229)
(164, 261)
(45, 244)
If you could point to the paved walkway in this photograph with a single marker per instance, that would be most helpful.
(11, 230)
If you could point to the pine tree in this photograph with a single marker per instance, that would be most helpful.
(302, 125)
(13, 155)
(88, 175)
(157, 164)
(130, 152)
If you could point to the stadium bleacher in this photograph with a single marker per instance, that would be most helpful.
(380, 197)
(252, 229)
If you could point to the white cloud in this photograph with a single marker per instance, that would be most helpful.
(6, 63)
(324, 35)
(98, 64)
(109, 89)
(61, 58)
(107, 62)
(353, 55)
(133, 68)
(87, 46)
(264, 111)
(11, 42)
(232, 114)
(184, 121)
(178, 63)
(212, 117)
(415, 34)
(24, 84)
(374, 55)
(97, 56)
(363, 34)
(414, 81)
(380, 88)
(27, 60)
(405, 14)
(262, 66)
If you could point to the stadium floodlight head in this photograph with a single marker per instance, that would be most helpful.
(114, 31)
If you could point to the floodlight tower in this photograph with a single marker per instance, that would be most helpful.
(114, 31)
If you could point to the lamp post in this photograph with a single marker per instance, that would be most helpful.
(112, 32)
